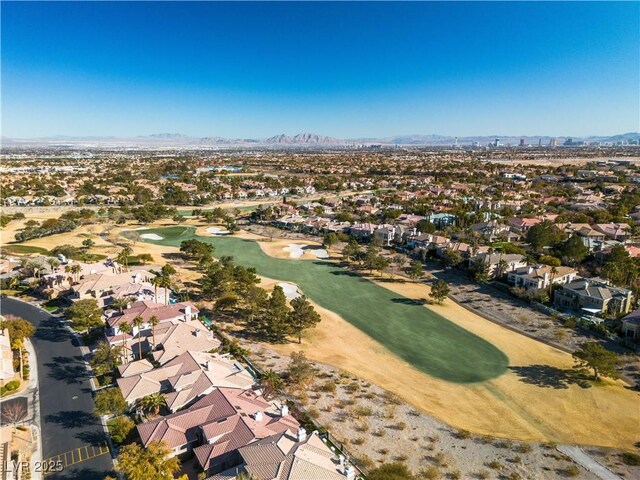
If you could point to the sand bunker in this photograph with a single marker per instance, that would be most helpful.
(290, 290)
(296, 250)
(151, 236)
(217, 231)
(319, 253)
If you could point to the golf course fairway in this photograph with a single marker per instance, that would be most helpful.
(419, 336)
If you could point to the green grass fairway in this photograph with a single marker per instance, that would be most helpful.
(24, 249)
(416, 334)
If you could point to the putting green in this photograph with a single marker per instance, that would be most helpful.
(426, 340)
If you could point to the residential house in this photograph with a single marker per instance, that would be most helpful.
(7, 373)
(631, 328)
(591, 238)
(522, 225)
(540, 276)
(493, 231)
(184, 379)
(499, 264)
(593, 297)
(614, 231)
(217, 425)
(284, 456)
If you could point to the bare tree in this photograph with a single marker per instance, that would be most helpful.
(14, 412)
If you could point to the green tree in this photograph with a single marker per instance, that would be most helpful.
(120, 428)
(87, 243)
(544, 234)
(145, 258)
(153, 322)
(226, 302)
(451, 258)
(302, 316)
(270, 383)
(18, 329)
(84, 314)
(277, 314)
(415, 270)
(126, 329)
(330, 239)
(53, 263)
(425, 226)
(573, 250)
(479, 270)
(147, 463)
(105, 358)
(137, 322)
(594, 356)
(197, 250)
(439, 290)
(351, 251)
(152, 403)
(123, 256)
(110, 401)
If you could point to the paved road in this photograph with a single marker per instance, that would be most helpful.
(580, 457)
(66, 403)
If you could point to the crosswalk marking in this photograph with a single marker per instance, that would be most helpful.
(59, 462)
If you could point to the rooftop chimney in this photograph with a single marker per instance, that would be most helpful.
(258, 417)
(187, 312)
(301, 436)
(284, 410)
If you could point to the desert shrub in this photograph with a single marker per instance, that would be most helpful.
(516, 459)
(494, 465)
(327, 387)
(401, 458)
(362, 427)
(379, 432)
(361, 411)
(358, 441)
(313, 412)
(454, 475)
(383, 451)
(441, 459)
(523, 448)
(502, 444)
(391, 398)
(482, 475)
(514, 476)
(463, 434)
(430, 473)
(569, 471)
(632, 459)
(352, 387)
(399, 426)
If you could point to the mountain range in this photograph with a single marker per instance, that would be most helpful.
(302, 140)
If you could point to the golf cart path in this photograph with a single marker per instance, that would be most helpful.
(580, 457)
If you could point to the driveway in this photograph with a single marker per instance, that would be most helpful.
(71, 433)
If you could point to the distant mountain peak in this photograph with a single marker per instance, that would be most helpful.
(303, 139)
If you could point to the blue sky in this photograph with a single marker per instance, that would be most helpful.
(342, 69)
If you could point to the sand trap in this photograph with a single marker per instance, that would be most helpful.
(319, 253)
(295, 250)
(290, 290)
(217, 231)
(151, 236)
(142, 228)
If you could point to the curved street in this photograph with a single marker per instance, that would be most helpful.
(70, 431)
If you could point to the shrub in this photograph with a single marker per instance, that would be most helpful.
(515, 476)
(430, 473)
(313, 412)
(362, 427)
(399, 426)
(455, 474)
(358, 441)
(570, 471)
(494, 465)
(12, 385)
(441, 459)
(463, 434)
(361, 411)
(352, 387)
(119, 428)
(379, 432)
(327, 387)
(482, 475)
(516, 459)
(523, 448)
(632, 459)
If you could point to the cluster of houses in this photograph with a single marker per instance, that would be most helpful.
(215, 415)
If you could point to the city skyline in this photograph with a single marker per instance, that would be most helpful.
(346, 70)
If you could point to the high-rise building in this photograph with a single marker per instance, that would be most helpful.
(539, 142)
(553, 142)
(522, 142)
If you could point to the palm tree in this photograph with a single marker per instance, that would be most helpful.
(502, 267)
(75, 270)
(121, 303)
(156, 282)
(138, 321)
(153, 321)
(554, 272)
(125, 328)
(152, 403)
(53, 263)
(270, 382)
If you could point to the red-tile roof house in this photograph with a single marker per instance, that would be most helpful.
(217, 425)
